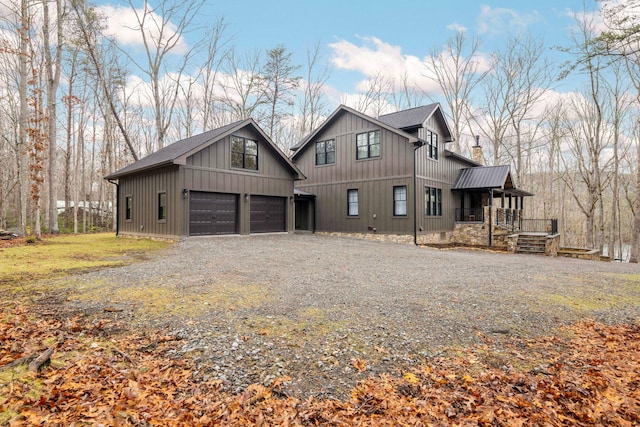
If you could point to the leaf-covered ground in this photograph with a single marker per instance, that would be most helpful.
(103, 374)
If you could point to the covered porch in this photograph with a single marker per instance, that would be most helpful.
(491, 208)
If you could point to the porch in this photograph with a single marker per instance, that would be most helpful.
(511, 220)
(507, 229)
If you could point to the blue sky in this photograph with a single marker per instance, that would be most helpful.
(359, 38)
(414, 27)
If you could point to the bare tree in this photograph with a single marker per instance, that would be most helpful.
(21, 147)
(87, 22)
(457, 71)
(528, 73)
(162, 30)
(217, 49)
(280, 80)
(312, 106)
(243, 94)
(53, 64)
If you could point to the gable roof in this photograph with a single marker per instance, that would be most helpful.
(488, 178)
(415, 117)
(299, 147)
(178, 152)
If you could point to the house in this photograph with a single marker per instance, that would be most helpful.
(392, 176)
(230, 180)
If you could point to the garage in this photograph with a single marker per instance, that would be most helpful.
(212, 213)
(268, 214)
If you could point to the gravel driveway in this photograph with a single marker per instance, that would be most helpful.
(328, 311)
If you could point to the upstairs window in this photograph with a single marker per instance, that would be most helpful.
(432, 201)
(352, 202)
(244, 153)
(162, 206)
(432, 145)
(128, 208)
(400, 201)
(325, 152)
(368, 145)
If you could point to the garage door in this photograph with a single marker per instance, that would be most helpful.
(268, 214)
(212, 213)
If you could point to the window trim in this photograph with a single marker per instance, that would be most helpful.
(396, 202)
(244, 153)
(128, 207)
(162, 208)
(325, 152)
(369, 145)
(349, 202)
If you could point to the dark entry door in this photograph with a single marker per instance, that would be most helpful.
(212, 213)
(302, 215)
(268, 214)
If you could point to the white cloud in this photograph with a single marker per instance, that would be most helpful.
(496, 21)
(376, 59)
(457, 27)
(123, 25)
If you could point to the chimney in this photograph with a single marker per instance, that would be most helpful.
(476, 152)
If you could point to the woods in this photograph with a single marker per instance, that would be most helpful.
(78, 103)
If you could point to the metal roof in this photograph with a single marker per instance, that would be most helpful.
(173, 152)
(488, 178)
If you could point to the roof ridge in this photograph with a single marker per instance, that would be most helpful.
(409, 109)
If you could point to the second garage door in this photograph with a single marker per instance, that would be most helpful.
(268, 214)
(212, 213)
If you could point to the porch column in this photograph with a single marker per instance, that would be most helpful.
(510, 207)
(502, 201)
(521, 202)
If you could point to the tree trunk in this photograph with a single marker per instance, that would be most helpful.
(53, 79)
(22, 152)
(635, 236)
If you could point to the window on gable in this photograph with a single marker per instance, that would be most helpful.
(400, 201)
(244, 153)
(352, 202)
(162, 206)
(368, 145)
(432, 145)
(432, 201)
(325, 152)
(128, 208)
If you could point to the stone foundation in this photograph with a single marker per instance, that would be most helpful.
(471, 234)
(396, 238)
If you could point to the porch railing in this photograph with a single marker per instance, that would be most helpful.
(513, 221)
(470, 215)
(548, 226)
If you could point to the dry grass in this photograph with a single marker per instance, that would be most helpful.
(63, 254)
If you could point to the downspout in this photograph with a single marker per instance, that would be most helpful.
(117, 218)
(415, 195)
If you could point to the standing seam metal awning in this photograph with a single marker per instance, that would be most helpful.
(484, 178)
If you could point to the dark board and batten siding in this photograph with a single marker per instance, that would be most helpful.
(373, 178)
(210, 170)
(144, 189)
(205, 195)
